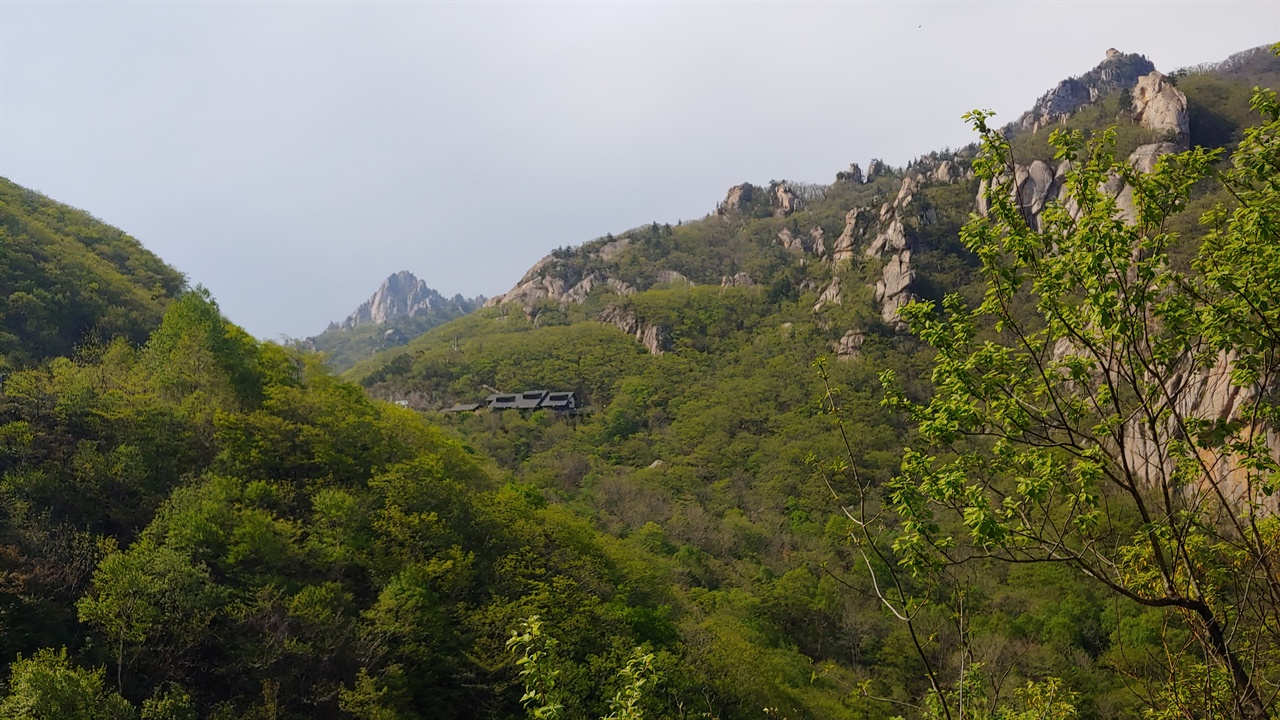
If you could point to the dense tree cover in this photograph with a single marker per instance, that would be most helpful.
(1084, 437)
(200, 525)
(66, 277)
(211, 525)
(701, 453)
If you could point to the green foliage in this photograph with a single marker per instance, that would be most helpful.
(66, 279)
(535, 651)
(343, 347)
(1072, 436)
(47, 686)
(231, 532)
(539, 679)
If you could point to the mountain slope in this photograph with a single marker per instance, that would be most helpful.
(66, 277)
(400, 310)
(693, 343)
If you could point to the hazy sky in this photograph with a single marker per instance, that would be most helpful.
(291, 155)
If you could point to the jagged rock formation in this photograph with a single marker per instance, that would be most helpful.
(540, 283)
(780, 198)
(875, 169)
(830, 296)
(738, 198)
(671, 277)
(402, 295)
(893, 290)
(654, 338)
(1159, 105)
(892, 237)
(787, 200)
(1116, 72)
(555, 279)
(402, 309)
(854, 224)
(1037, 184)
(1207, 394)
(946, 172)
(852, 176)
(579, 292)
(849, 346)
(813, 241)
(817, 241)
(740, 279)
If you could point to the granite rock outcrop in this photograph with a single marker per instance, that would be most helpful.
(654, 338)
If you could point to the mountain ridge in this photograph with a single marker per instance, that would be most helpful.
(401, 309)
(403, 295)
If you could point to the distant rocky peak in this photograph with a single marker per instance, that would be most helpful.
(1117, 71)
(401, 295)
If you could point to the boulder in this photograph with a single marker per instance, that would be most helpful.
(611, 250)
(893, 290)
(671, 277)
(654, 338)
(830, 296)
(946, 172)
(907, 192)
(843, 248)
(1143, 160)
(817, 241)
(788, 240)
(737, 280)
(1034, 183)
(1160, 106)
(738, 198)
(892, 237)
(849, 346)
(810, 242)
(786, 200)
(853, 175)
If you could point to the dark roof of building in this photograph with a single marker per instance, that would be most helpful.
(527, 400)
(560, 401)
(530, 400)
(463, 407)
(501, 401)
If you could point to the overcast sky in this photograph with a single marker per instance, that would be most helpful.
(291, 155)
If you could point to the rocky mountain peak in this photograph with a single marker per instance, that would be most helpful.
(1117, 71)
(400, 295)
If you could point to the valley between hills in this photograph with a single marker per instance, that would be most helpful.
(990, 436)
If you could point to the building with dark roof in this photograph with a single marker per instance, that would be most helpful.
(558, 400)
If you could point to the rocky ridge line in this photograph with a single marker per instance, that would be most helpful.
(402, 295)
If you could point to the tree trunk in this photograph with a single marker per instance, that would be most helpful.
(1248, 702)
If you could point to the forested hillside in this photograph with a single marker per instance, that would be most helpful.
(694, 344)
(67, 278)
(815, 477)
